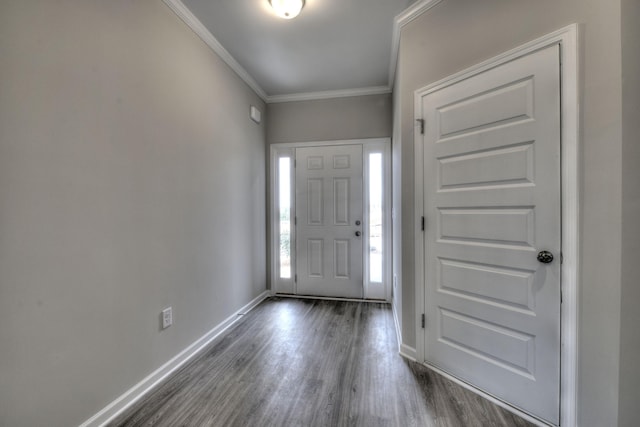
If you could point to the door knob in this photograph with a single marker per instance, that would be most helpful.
(358, 234)
(545, 257)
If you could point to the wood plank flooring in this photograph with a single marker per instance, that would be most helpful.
(296, 362)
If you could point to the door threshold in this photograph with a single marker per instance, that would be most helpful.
(378, 301)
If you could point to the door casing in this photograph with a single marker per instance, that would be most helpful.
(567, 39)
(371, 291)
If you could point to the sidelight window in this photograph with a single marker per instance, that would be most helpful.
(284, 221)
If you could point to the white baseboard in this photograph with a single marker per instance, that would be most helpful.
(296, 296)
(397, 323)
(135, 393)
(408, 352)
(404, 350)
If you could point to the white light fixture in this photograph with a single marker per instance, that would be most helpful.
(287, 9)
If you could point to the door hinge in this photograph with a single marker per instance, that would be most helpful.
(295, 220)
(421, 122)
(422, 223)
(423, 321)
(295, 278)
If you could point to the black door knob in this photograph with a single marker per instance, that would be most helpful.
(358, 233)
(545, 257)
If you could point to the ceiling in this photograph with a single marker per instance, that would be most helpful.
(333, 46)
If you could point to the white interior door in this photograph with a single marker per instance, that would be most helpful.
(492, 204)
(329, 211)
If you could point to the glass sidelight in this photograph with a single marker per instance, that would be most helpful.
(284, 221)
(378, 221)
(376, 248)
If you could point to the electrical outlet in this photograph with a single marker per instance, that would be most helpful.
(167, 317)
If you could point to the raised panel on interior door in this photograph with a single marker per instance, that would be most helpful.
(341, 161)
(315, 163)
(315, 257)
(487, 226)
(341, 201)
(492, 194)
(508, 348)
(498, 167)
(501, 286)
(315, 201)
(507, 104)
(341, 252)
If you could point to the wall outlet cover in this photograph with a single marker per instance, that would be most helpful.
(167, 317)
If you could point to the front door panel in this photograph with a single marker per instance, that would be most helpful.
(329, 210)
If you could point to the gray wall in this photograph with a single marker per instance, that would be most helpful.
(630, 315)
(457, 34)
(131, 178)
(353, 117)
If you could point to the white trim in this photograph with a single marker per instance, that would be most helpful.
(418, 243)
(567, 38)
(375, 301)
(201, 31)
(373, 289)
(135, 393)
(328, 94)
(280, 148)
(301, 144)
(408, 352)
(277, 283)
(404, 350)
(179, 8)
(571, 220)
(408, 15)
(488, 396)
(396, 322)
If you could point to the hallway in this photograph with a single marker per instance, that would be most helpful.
(311, 363)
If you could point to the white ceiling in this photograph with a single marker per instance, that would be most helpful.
(333, 45)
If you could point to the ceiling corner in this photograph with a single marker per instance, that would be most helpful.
(408, 15)
(178, 7)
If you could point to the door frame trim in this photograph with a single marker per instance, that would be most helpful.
(275, 150)
(567, 39)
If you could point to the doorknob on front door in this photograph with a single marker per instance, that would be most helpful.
(358, 234)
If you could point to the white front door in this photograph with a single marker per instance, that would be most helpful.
(329, 212)
(492, 205)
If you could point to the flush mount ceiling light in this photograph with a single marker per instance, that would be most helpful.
(287, 9)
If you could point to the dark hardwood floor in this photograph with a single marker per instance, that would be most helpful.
(295, 362)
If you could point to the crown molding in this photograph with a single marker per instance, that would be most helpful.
(409, 14)
(194, 23)
(310, 96)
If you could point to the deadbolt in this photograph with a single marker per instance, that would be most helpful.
(545, 257)
(358, 222)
